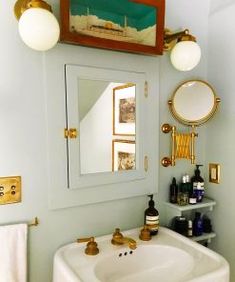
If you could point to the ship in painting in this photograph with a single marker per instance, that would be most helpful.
(91, 25)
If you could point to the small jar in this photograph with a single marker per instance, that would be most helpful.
(192, 200)
(182, 198)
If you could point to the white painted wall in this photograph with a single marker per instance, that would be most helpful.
(23, 146)
(221, 134)
(179, 15)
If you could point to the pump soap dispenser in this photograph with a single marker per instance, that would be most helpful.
(151, 217)
(198, 184)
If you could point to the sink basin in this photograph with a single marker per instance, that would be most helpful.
(152, 262)
(168, 257)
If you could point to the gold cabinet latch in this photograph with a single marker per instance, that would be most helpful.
(70, 133)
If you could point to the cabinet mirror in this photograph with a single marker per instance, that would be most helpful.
(106, 112)
(104, 107)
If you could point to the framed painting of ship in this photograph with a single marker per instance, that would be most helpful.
(124, 25)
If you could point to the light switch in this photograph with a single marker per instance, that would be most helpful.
(214, 173)
(10, 190)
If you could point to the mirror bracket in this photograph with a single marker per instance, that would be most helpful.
(182, 145)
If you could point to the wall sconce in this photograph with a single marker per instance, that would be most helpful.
(38, 27)
(185, 52)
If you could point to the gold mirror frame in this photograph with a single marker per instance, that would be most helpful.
(200, 121)
(183, 144)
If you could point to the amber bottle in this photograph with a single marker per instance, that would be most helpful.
(151, 217)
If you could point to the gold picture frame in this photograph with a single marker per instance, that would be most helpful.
(132, 26)
(123, 155)
(124, 109)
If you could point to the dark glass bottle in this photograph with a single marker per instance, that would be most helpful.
(198, 185)
(173, 191)
(197, 225)
(151, 217)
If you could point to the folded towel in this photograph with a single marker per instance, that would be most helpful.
(13, 253)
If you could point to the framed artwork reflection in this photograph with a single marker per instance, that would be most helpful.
(123, 155)
(124, 109)
(125, 25)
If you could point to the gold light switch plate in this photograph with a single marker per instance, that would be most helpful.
(214, 173)
(10, 190)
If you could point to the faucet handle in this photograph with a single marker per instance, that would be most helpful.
(91, 247)
(117, 237)
(145, 234)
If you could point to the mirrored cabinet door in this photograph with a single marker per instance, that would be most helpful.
(105, 110)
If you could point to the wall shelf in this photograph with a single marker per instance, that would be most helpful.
(173, 210)
(206, 203)
(204, 237)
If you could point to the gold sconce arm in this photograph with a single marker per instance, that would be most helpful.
(170, 39)
(22, 5)
(182, 145)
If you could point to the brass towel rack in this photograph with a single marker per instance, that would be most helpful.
(34, 223)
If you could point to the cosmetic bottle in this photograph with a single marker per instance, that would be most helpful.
(190, 228)
(198, 185)
(197, 225)
(151, 217)
(173, 191)
(180, 225)
(183, 195)
(206, 223)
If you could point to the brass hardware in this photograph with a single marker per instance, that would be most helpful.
(146, 163)
(34, 223)
(166, 161)
(146, 89)
(10, 190)
(214, 173)
(182, 145)
(119, 239)
(166, 128)
(145, 234)
(170, 38)
(91, 247)
(22, 5)
(70, 133)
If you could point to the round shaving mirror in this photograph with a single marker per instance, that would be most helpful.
(194, 102)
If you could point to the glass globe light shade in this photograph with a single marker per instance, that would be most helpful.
(39, 29)
(185, 55)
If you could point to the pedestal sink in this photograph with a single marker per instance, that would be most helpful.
(168, 257)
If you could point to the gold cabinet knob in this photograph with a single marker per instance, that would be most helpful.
(91, 247)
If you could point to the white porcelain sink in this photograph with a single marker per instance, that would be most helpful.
(168, 257)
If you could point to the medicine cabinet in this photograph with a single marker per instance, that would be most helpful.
(106, 108)
(101, 127)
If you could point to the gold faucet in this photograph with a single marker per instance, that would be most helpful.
(91, 247)
(119, 239)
